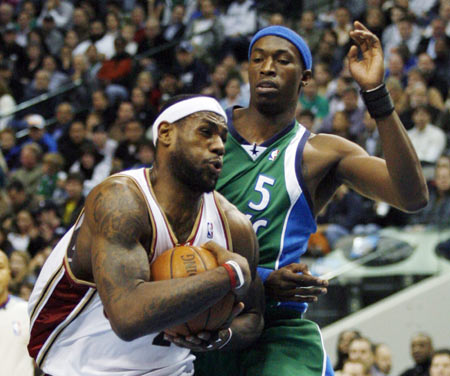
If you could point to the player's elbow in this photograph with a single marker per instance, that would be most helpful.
(125, 331)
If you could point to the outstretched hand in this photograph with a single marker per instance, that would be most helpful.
(294, 283)
(369, 70)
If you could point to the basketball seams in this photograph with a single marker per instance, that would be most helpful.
(205, 269)
(171, 262)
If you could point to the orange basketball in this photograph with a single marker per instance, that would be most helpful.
(183, 262)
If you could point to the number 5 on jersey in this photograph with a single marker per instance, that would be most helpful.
(262, 188)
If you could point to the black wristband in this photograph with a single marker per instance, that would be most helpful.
(378, 102)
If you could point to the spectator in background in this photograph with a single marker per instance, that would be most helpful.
(144, 111)
(206, 33)
(192, 72)
(51, 36)
(419, 95)
(96, 34)
(354, 113)
(369, 138)
(125, 113)
(305, 118)
(116, 73)
(175, 28)
(27, 68)
(30, 172)
(104, 145)
(233, 93)
(6, 15)
(311, 100)
(14, 327)
(52, 164)
(322, 76)
(38, 135)
(80, 23)
(64, 115)
(437, 212)
(57, 78)
(396, 68)
(74, 202)
(342, 214)
(60, 10)
(433, 78)
(342, 27)
(153, 39)
(19, 261)
(421, 351)
(25, 236)
(428, 140)
(9, 48)
(145, 154)
(375, 21)
(40, 86)
(329, 53)
(354, 368)
(18, 198)
(362, 349)
(93, 166)
(343, 343)
(127, 32)
(70, 144)
(102, 107)
(398, 95)
(9, 148)
(309, 31)
(428, 43)
(127, 149)
(406, 32)
(383, 359)
(240, 23)
(7, 104)
(440, 363)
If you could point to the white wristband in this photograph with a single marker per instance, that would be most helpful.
(239, 274)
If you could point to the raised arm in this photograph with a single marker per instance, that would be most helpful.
(118, 221)
(399, 180)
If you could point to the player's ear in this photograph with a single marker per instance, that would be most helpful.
(165, 133)
(306, 76)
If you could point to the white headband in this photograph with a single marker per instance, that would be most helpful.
(185, 108)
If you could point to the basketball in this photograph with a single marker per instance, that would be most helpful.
(183, 262)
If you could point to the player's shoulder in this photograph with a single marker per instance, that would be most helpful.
(117, 194)
(329, 144)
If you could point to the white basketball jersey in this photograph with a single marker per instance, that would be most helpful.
(70, 334)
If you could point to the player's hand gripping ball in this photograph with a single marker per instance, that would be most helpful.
(183, 262)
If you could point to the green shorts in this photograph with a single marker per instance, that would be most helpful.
(288, 346)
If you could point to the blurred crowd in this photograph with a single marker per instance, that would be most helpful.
(357, 355)
(81, 82)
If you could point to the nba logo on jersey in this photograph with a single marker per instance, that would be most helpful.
(17, 330)
(210, 233)
(274, 154)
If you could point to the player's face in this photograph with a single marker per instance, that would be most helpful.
(198, 154)
(275, 74)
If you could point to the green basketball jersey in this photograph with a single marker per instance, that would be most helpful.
(265, 182)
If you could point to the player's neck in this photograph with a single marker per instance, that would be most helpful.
(179, 203)
(257, 127)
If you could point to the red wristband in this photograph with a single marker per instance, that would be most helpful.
(230, 272)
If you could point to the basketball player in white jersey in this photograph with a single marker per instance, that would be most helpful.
(94, 309)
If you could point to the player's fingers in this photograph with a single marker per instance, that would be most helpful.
(353, 54)
(360, 26)
(304, 280)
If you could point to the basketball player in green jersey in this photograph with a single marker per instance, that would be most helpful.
(281, 176)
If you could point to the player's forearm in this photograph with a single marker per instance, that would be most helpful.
(154, 306)
(402, 163)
